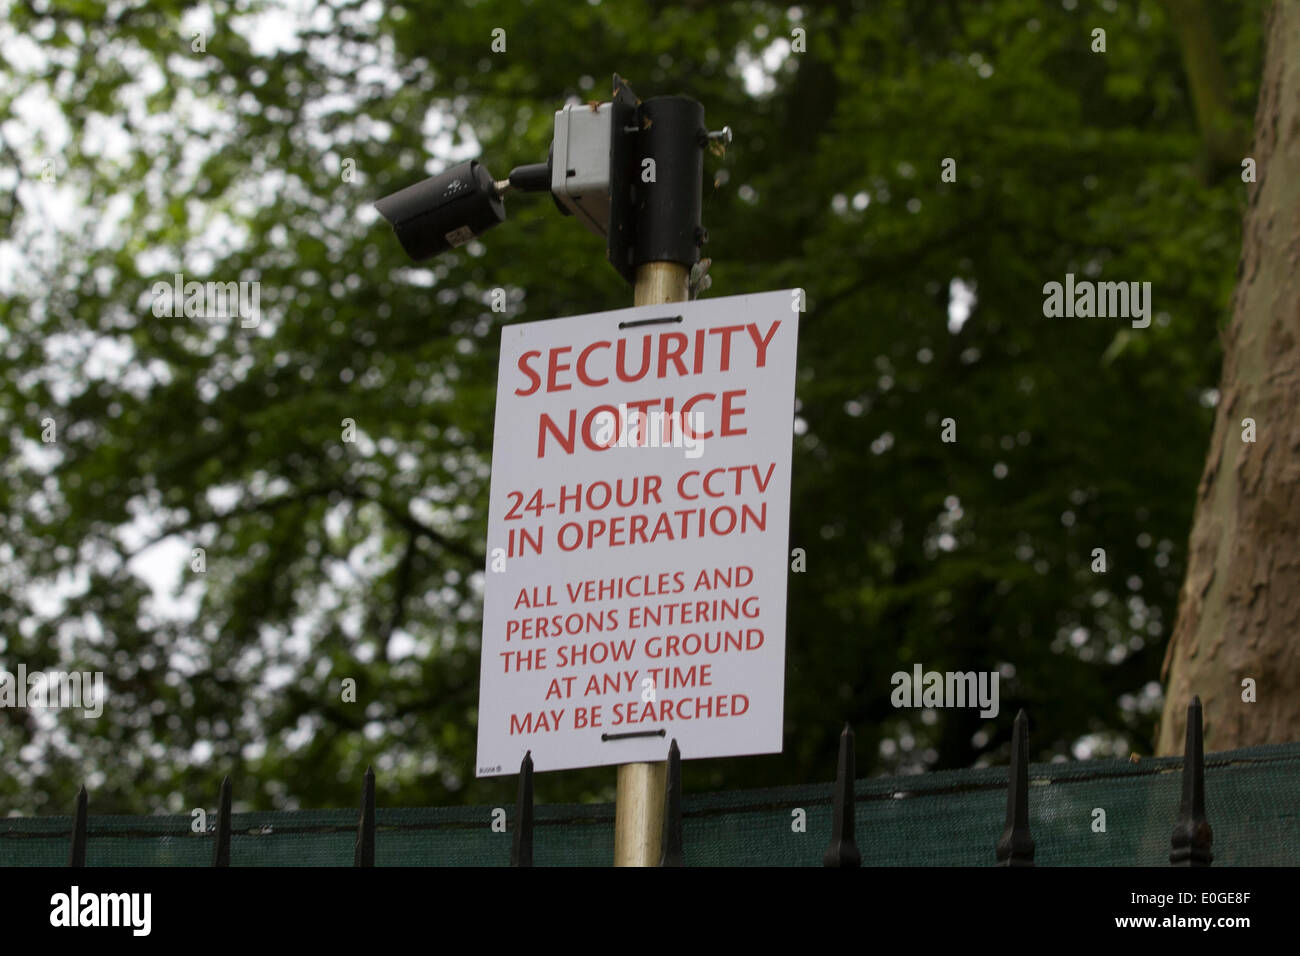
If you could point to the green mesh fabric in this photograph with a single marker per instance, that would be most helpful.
(951, 818)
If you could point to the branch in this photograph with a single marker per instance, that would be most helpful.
(412, 524)
(1225, 136)
(257, 507)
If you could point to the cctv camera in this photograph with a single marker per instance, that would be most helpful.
(590, 173)
(444, 211)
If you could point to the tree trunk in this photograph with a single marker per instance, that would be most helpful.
(1239, 609)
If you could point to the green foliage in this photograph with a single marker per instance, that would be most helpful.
(328, 560)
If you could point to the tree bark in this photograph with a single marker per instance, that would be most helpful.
(1239, 609)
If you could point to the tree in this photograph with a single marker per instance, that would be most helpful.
(1239, 608)
(329, 559)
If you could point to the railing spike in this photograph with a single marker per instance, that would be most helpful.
(1192, 837)
(78, 855)
(221, 847)
(1016, 845)
(521, 844)
(672, 834)
(364, 854)
(843, 851)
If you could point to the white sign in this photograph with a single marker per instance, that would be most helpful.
(638, 535)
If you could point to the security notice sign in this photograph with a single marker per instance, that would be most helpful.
(638, 535)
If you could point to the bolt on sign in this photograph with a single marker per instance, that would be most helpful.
(638, 534)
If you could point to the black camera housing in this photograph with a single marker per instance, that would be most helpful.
(444, 211)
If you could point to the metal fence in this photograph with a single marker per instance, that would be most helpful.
(944, 818)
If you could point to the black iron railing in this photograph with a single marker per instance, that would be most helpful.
(1190, 844)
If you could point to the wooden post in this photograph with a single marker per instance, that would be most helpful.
(639, 804)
